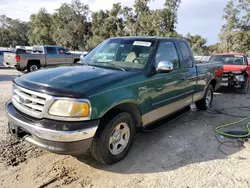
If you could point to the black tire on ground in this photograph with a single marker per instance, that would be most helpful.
(245, 86)
(207, 100)
(33, 66)
(101, 148)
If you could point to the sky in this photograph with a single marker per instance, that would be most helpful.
(203, 17)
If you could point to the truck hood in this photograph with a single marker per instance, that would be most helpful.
(72, 81)
(229, 68)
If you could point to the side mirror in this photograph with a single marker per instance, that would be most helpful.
(164, 66)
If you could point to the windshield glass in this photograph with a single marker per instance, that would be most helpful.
(123, 53)
(228, 59)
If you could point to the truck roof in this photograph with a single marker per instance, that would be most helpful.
(229, 54)
(148, 37)
(46, 46)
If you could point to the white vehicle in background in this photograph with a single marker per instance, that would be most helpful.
(201, 59)
(1, 56)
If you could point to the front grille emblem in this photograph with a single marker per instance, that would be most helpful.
(24, 101)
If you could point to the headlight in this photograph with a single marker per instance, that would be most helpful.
(239, 78)
(70, 108)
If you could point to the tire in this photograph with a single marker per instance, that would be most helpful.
(106, 141)
(206, 101)
(245, 86)
(33, 67)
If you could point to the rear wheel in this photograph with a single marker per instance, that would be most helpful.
(112, 143)
(245, 86)
(33, 66)
(207, 100)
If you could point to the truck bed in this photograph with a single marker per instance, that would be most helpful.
(205, 71)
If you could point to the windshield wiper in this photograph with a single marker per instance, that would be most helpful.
(115, 66)
(108, 63)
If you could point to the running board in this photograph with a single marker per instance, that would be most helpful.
(164, 121)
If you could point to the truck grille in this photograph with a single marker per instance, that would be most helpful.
(29, 102)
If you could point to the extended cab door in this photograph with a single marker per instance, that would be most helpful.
(51, 55)
(190, 69)
(167, 90)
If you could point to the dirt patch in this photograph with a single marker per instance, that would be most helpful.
(184, 153)
(13, 151)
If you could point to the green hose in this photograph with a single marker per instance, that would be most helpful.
(217, 129)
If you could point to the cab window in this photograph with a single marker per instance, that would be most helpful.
(167, 52)
(51, 50)
(186, 54)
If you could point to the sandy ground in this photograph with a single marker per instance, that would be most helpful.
(183, 153)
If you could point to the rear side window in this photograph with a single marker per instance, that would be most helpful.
(167, 52)
(51, 50)
(187, 56)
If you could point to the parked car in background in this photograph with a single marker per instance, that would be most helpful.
(1, 56)
(236, 70)
(41, 56)
(201, 59)
(100, 104)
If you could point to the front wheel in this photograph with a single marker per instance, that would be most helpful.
(207, 100)
(112, 143)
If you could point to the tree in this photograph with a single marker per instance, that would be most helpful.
(109, 23)
(13, 32)
(235, 34)
(197, 43)
(18, 32)
(40, 28)
(70, 26)
(231, 13)
(169, 15)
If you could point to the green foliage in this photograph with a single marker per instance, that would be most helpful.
(235, 34)
(197, 43)
(13, 32)
(73, 25)
(40, 28)
(70, 26)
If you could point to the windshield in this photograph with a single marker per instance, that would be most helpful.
(123, 53)
(228, 59)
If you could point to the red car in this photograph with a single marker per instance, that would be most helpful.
(236, 70)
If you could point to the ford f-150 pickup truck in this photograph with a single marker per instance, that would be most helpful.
(123, 85)
(41, 56)
(236, 71)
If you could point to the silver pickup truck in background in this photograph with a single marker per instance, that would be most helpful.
(41, 56)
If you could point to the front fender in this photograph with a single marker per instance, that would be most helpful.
(103, 102)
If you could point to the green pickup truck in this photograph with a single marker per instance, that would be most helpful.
(123, 85)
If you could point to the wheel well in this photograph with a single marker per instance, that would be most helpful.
(213, 83)
(34, 62)
(76, 60)
(131, 108)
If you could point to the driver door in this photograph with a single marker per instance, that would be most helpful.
(166, 90)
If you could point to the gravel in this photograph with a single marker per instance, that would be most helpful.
(184, 153)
